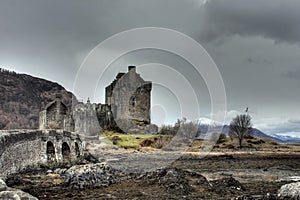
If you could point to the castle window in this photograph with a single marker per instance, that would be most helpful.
(132, 101)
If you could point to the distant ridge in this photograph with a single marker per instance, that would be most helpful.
(22, 97)
(207, 124)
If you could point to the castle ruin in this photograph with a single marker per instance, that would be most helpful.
(56, 115)
(127, 109)
(129, 98)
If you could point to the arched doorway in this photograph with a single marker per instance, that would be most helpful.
(50, 151)
(77, 151)
(66, 152)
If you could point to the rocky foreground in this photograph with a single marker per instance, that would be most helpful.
(186, 178)
(7, 193)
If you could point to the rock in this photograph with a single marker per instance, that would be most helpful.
(256, 197)
(59, 171)
(8, 195)
(175, 180)
(16, 195)
(289, 191)
(93, 175)
(2, 185)
(228, 182)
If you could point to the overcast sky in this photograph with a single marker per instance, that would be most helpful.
(255, 45)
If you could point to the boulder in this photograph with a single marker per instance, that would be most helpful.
(290, 191)
(2, 185)
(8, 195)
(92, 175)
(16, 195)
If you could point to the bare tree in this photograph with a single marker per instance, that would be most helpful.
(182, 128)
(240, 127)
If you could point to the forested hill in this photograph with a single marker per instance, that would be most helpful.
(22, 96)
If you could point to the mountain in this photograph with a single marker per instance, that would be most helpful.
(209, 126)
(256, 133)
(22, 97)
(286, 138)
(206, 121)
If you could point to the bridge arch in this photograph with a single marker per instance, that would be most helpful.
(77, 150)
(65, 151)
(50, 151)
(67, 146)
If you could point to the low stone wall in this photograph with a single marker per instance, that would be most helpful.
(22, 148)
(18, 150)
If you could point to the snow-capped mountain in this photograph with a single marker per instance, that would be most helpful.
(286, 138)
(210, 122)
(210, 126)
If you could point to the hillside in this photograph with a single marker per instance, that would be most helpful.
(22, 97)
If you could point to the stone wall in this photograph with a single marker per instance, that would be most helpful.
(18, 150)
(22, 148)
(58, 138)
(86, 121)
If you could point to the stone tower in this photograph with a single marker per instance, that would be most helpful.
(129, 98)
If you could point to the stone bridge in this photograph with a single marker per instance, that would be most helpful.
(20, 149)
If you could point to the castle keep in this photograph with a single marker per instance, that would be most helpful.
(128, 97)
(126, 108)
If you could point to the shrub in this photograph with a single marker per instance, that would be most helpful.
(160, 142)
(146, 143)
(115, 139)
(222, 138)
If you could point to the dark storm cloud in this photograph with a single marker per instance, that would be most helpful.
(275, 19)
(293, 74)
(42, 37)
(256, 60)
(50, 39)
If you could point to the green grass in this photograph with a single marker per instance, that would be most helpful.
(135, 140)
(129, 140)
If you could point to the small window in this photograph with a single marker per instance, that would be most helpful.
(132, 101)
